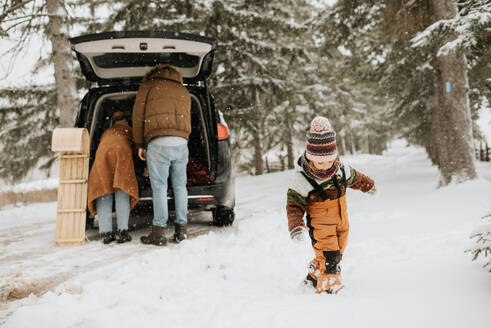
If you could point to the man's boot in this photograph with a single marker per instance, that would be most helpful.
(156, 236)
(180, 233)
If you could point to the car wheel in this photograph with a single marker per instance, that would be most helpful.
(223, 216)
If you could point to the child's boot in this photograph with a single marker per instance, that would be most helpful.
(313, 274)
(329, 279)
(329, 283)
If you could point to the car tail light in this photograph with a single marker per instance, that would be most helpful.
(222, 131)
(206, 199)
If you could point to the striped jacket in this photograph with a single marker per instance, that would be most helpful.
(301, 193)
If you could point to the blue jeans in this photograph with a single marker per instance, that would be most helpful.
(162, 160)
(104, 205)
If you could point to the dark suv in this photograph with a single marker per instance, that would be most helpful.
(116, 63)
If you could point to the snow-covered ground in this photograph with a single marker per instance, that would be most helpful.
(405, 264)
(35, 185)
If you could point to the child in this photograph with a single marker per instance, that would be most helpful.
(319, 188)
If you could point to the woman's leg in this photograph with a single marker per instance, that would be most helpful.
(122, 209)
(104, 205)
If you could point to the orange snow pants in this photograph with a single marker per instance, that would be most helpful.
(329, 227)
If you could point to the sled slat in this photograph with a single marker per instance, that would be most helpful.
(70, 243)
(71, 211)
(74, 156)
(73, 145)
(74, 181)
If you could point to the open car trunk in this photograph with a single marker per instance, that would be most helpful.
(199, 164)
(118, 57)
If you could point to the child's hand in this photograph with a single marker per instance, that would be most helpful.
(372, 191)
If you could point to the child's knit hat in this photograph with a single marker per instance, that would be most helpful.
(321, 141)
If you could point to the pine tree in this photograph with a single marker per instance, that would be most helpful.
(452, 35)
(407, 72)
(482, 239)
(58, 33)
(157, 15)
(347, 72)
(256, 62)
(21, 21)
(27, 120)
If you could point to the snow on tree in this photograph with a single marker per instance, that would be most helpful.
(27, 120)
(262, 58)
(413, 80)
(20, 21)
(482, 238)
(347, 81)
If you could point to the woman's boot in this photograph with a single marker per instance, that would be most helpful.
(108, 237)
(124, 236)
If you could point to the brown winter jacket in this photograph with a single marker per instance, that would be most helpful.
(162, 106)
(113, 168)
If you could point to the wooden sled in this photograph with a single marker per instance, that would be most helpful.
(73, 146)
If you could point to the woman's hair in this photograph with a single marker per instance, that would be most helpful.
(118, 116)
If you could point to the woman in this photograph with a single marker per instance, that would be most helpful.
(113, 176)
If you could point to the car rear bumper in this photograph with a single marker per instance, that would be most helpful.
(199, 197)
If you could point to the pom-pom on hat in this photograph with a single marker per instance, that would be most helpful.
(321, 141)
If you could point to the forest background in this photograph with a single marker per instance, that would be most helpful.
(379, 70)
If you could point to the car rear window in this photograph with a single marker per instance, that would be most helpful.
(114, 60)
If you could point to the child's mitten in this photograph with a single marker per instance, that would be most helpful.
(367, 184)
(298, 233)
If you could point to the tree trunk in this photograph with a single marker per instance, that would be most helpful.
(456, 152)
(66, 95)
(352, 143)
(289, 143)
(343, 150)
(258, 148)
(258, 153)
(188, 6)
(282, 162)
(436, 144)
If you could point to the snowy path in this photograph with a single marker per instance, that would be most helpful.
(405, 264)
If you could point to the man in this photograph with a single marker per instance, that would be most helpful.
(162, 123)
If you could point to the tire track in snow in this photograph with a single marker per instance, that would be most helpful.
(31, 272)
